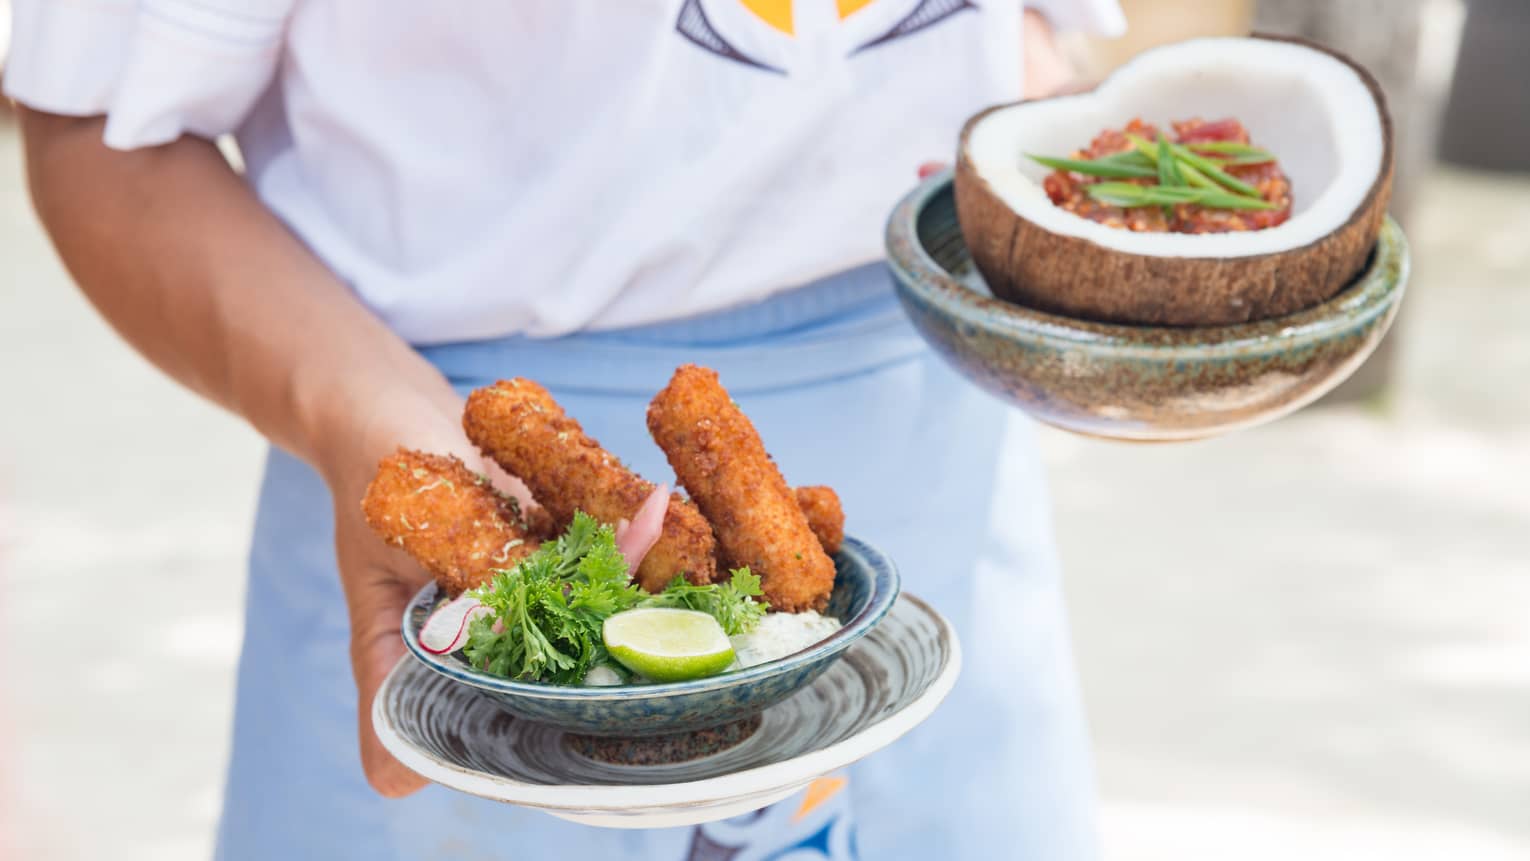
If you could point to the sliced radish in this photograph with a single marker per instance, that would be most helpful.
(446, 630)
(634, 539)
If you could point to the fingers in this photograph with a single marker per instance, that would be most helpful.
(1075, 86)
(1047, 68)
(372, 658)
(376, 594)
(375, 647)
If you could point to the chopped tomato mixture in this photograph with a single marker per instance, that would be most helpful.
(1067, 189)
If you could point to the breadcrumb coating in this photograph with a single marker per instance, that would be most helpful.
(452, 521)
(518, 424)
(719, 458)
(820, 504)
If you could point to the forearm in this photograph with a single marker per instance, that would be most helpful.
(173, 248)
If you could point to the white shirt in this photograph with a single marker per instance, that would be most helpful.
(476, 169)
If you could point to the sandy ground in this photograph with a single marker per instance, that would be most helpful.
(1311, 640)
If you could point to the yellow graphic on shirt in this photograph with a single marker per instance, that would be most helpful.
(890, 21)
(850, 7)
(819, 791)
(778, 13)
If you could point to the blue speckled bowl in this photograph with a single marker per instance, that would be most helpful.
(865, 587)
(1130, 382)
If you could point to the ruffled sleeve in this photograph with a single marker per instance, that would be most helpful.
(1094, 17)
(156, 68)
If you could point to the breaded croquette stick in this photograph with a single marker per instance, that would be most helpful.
(451, 521)
(538, 521)
(518, 424)
(825, 516)
(718, 456)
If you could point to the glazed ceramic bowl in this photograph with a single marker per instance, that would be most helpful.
(865, 587)
(1131, 382)
(885, 685)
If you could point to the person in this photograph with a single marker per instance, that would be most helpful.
(585, 194)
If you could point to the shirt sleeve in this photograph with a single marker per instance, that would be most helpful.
(1095, 17)
(156, 69)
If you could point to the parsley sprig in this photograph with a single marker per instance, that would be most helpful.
(732, 604)
(550, 607)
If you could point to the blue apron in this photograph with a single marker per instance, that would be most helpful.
(934, 472)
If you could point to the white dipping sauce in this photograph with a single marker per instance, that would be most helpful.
(776, 636)
(603, 676)
(781, 634)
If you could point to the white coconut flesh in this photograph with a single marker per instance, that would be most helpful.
(1312, 111)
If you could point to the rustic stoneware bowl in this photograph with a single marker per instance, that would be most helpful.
(1131, 382)
(681, 717)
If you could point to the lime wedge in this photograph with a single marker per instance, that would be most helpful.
(668, 645)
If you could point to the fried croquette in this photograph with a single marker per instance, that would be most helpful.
(453, 522)
(825, 516)
(718, 456)
(518, 424)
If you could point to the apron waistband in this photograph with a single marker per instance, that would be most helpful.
(843, 325)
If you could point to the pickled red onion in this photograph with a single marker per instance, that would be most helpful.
(636, 537)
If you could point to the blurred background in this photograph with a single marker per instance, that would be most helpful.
(1309, 640)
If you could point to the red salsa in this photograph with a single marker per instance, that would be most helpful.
(1067, 189)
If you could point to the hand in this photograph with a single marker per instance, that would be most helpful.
(1048, 72)
(380, 579)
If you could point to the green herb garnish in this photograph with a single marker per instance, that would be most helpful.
(732, 604)
(1241, 160)
(1097, 167)
(1196, 178)
(1241, 153)
(1211, 169)
(1199, 162)
(1183, 175)
(1168, 172)
(1126, 194)
(1168, 168)
(550, 607)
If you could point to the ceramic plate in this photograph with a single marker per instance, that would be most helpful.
(884, 686)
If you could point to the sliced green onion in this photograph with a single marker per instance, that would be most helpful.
(1144, 146)
(1200, 162)
(1129, 195)
(1168, 172)
(1168, 168)
(1245, 159)
(1209, 167)
(1228, 147)
(1119, 170)
(1196, 178)
(1183, 175)
(1130, 156)
(1223, 200)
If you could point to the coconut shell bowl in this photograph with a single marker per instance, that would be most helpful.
(1146, 335)
(660, 755)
